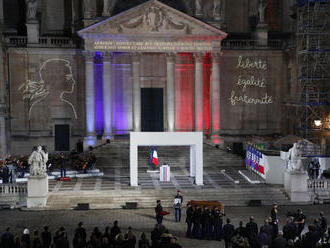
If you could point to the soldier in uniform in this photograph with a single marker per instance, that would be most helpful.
(189, 220)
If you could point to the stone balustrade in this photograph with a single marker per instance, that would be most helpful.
(21, 41)
(318, 184)
(13, 189)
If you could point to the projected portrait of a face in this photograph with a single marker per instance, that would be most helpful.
(56, 85)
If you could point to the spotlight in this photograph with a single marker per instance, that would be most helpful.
(318, 123)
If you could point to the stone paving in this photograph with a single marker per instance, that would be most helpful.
(142, 220)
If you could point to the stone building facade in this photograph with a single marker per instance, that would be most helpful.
(92, 70)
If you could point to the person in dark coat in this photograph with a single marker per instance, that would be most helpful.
(144, 242)
(263, 238)
(82, 232)
(311, 238)
(279, 241)
(217, 222)
(189, 220)
(130, 238)
(25, 239)
(197, 230)
(251, 230)
(63, 164)
(155, 236)
(268, 228)
(206, 222)
(7, 239)
(36, 242)
(62, 241)
(323, 222)
(115, 230)
(228, 233)
(274, 222)
(299, 220)
(158, 211)
(241, 230)
(46, 238)
(290, 229)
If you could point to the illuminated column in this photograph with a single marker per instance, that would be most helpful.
(215, 94)
(107, 95)
(90, 139)
(170, 59)
(198, 101)
(136, 92)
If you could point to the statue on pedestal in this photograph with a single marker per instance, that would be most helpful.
(295, 159)
(217, 9)
(37, 162)
(261, 10)
(107, 7)
(198, 8)
(31, 10)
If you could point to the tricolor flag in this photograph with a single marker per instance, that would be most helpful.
(155, 158)
(261, 168)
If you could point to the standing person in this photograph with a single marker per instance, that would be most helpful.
(25, 239)
(196, 231)
(158, 211)
(130, 238)
(217, 221)
(7, 239)
(36, 243)
(63, 164)
(115, 230)
(46, 238)
(228, 232)
(189, 220)
(323, 223)
(178, 201)
(80, 230)
(251, 230)
(299, 220)
(273, 215)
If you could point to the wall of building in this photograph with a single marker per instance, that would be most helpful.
(46, 88)
(251, 91)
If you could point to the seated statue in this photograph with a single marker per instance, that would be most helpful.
(296, 161)
(37, 162)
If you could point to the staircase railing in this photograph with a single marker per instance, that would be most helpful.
(13, 189)
(318, 184)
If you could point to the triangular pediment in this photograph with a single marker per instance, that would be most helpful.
(152, 19)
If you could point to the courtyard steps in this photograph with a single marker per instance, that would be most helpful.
(231, 196)
(116, 154)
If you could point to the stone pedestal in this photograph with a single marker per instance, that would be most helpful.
(295, 184)
(261, 34)
(37, 191)
(32, 33)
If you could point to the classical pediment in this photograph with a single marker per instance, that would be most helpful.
(152, 18)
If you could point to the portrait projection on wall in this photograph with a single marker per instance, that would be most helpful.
(54, 87)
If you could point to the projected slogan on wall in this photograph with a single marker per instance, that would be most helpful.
(251, 83)
(153, 46)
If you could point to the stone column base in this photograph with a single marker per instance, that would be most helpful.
(295, 184)
(32, 33)
(37, 191)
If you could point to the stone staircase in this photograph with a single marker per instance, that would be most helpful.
(115, 156)
(229, 196)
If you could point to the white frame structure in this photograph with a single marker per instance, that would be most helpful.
(192, 139)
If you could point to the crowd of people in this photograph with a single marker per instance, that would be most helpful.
(110, 238)
(205, 223)
(13, 167)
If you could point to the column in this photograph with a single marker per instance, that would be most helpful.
(215, 94)
(136, 92)
(198, 101)
(107, 96)
(90, 139)
(170, 59)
